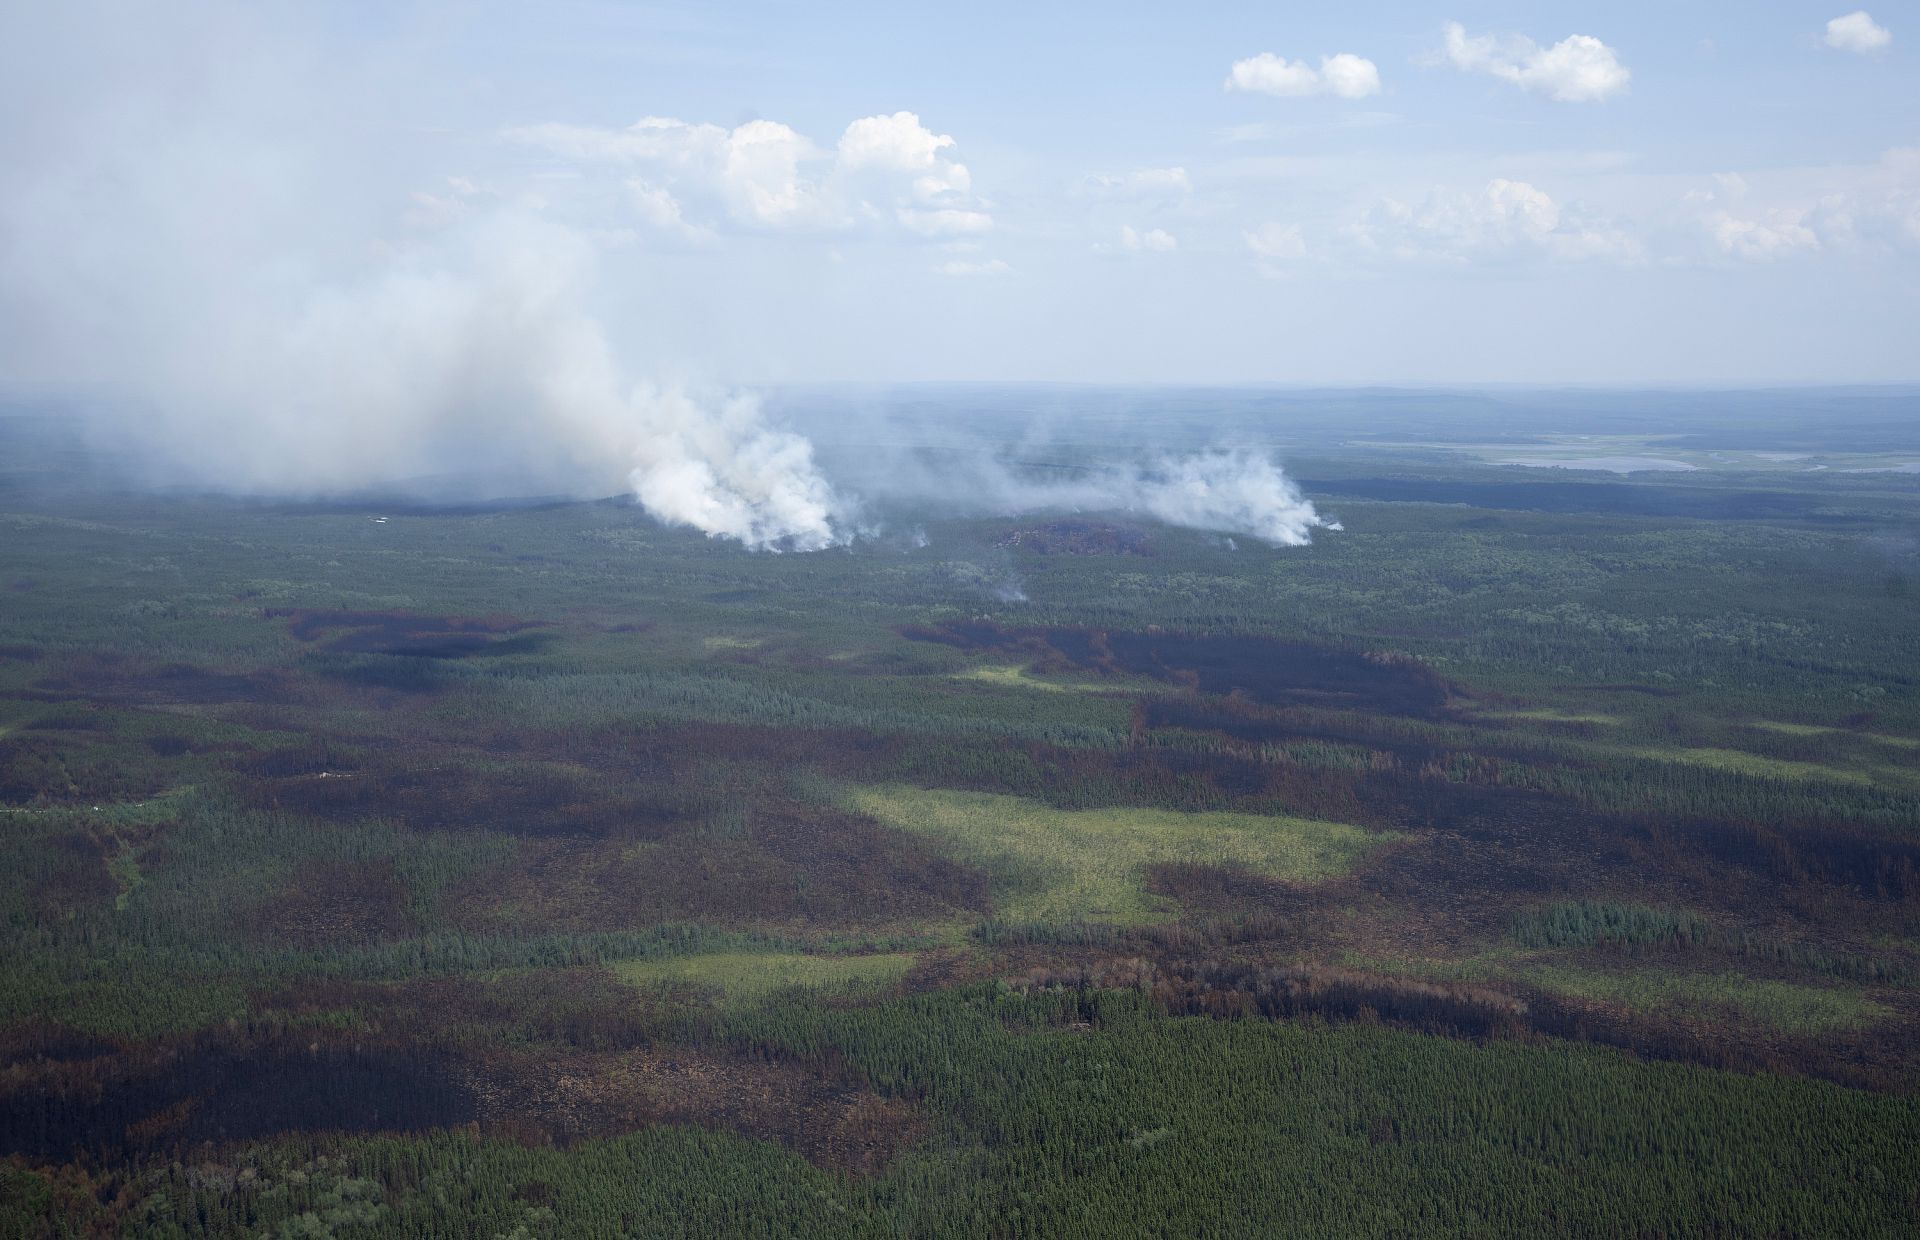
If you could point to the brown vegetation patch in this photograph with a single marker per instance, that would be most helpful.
(80, 876)
(560, 1055)
(335, 902)
(404, 633)
(31, 769)
(831, 1123)
(1227, 987)
(802, 868)
(514, 798)
(1234, 988)
(110, 678)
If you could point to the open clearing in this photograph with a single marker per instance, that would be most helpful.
(1786, 1006)
(1055, 865)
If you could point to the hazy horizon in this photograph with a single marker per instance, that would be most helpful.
(275, 249)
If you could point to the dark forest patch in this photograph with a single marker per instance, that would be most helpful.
(45, 1041)
(31, 769)
(20, 653)
(1263, 670)
(67, 769)
(801, 866)
(223, 1093)
(569, 1054)
(516, 799)
(404, 633)
(107, 678)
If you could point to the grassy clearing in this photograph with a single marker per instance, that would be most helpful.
(1812, 729)
(1549, 714)
(1792, 729)
(1785, 1006)
(1002, 677)
(1753, 764)
(742, 979)
(1008, 677)
(1049, 865)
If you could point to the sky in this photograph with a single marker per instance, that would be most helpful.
(200, 199)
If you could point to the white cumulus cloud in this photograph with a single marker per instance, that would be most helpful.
(896, 141)
(661, 210)
(1577, 69)
(1775, 234)
(1153, 240)
(1343, 75)
(766, 175)
(1275, 241)
(1858, 32)
(1862, 211)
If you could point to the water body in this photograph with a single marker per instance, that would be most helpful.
(1604, 464)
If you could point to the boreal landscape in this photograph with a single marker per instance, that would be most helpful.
(1535, 853)
(631, 619)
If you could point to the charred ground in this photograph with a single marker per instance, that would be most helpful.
(531, 851)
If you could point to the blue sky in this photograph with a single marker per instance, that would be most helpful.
(1623, 193)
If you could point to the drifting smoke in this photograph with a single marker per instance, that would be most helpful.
(1236, 492)
(1229, 491)
(719, 469)
(196, 234)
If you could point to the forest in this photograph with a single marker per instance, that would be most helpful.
(1533, 855)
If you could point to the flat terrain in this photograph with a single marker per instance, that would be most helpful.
(1539, 854)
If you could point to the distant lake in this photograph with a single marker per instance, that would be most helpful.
(1607, 464)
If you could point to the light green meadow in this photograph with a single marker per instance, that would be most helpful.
(1091, 865)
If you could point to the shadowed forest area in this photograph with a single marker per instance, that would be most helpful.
(1529, 856)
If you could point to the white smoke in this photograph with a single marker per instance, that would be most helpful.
(254, 303)
(216, 229)
(1235, 492)
(720, 469)
(1226, 490)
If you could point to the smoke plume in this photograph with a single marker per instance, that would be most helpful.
(213, 228)
(1239, 492)
(198, 237)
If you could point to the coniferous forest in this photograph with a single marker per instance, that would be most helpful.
(1536, 854)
